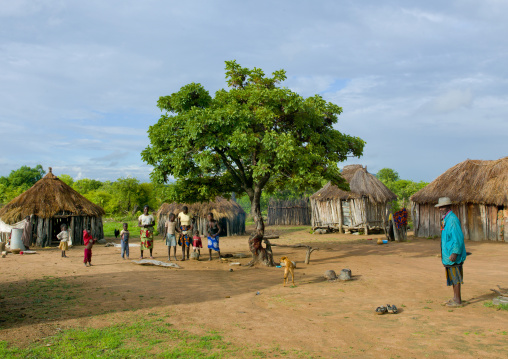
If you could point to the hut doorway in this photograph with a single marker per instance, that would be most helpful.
(56, 224)
(474, 222)
(346, 213)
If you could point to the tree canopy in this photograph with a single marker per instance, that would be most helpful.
(252, 137)
(18, 181)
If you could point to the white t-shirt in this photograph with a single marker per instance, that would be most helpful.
(64, 236)
(145, 219)
(185, 219)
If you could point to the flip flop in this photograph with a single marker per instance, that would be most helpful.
(381, 310)
(447, 302)
(454, 304)
(392, 308)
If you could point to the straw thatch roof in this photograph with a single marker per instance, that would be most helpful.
(361, 183)
(48, 197)
(471, 181)
(221, 208)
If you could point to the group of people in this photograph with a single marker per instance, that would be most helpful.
(189, 236)
(181, 226)
(178, 229)
(65, 241)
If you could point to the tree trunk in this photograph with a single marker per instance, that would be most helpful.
(260, 254)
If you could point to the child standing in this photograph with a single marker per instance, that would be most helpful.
(196, 243)
(89, 242)
(185, 220)
(213, 229)
(124, 240)
(170, 235)
(63, 236)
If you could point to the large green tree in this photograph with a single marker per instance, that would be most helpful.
(18, 181)
(254, 137)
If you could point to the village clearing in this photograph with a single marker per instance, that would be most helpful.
(55, 307)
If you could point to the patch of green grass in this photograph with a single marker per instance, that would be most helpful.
(489, 304)
(141, 339)
(110, 225)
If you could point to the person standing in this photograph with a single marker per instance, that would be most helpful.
(88, 241)
(26, 237)
(185, 225)
(146, 222)
(170, 234)
(124, 240)
(453, 250)
(213, 229)
(64, 238)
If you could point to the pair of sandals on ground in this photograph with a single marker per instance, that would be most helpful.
(388, 309)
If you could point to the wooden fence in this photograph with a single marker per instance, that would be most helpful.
(290, 212)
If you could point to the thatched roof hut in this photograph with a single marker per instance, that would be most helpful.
(479, 191)
(363, 207)
(51, 203)
(229, 214)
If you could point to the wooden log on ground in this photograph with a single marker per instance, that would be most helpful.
(307, 254)
(271, 237)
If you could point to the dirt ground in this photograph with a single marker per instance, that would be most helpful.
(327, 319)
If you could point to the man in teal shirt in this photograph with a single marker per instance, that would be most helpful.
(453, 249)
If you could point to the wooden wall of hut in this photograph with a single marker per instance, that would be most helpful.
(478, 221)
(46, 229)
(234, 227)
(291, 212)
(355, 213)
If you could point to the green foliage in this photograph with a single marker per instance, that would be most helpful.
(387, 175)
(255, 136)
(68, 180)
(86, 185)
(18, 181)
(404, 189)
(128, 192)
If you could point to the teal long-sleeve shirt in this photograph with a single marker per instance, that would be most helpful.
(452, 240)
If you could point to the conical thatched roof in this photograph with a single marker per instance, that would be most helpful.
(361, 183)
(48, 197)
(220, 208)
(471, 181)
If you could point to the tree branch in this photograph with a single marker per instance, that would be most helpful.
(230, 168)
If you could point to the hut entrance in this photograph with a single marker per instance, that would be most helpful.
(55, 228)
(346, 213)
(474, 222)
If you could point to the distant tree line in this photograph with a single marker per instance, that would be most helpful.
(404, 189)
(125, 196)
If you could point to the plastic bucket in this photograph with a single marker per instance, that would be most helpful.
(16, 242)
(385, 241)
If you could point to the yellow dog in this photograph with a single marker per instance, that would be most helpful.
(289, 268)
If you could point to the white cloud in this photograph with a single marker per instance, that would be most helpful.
(450, 101)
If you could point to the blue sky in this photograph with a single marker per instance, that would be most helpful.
(425, 83)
